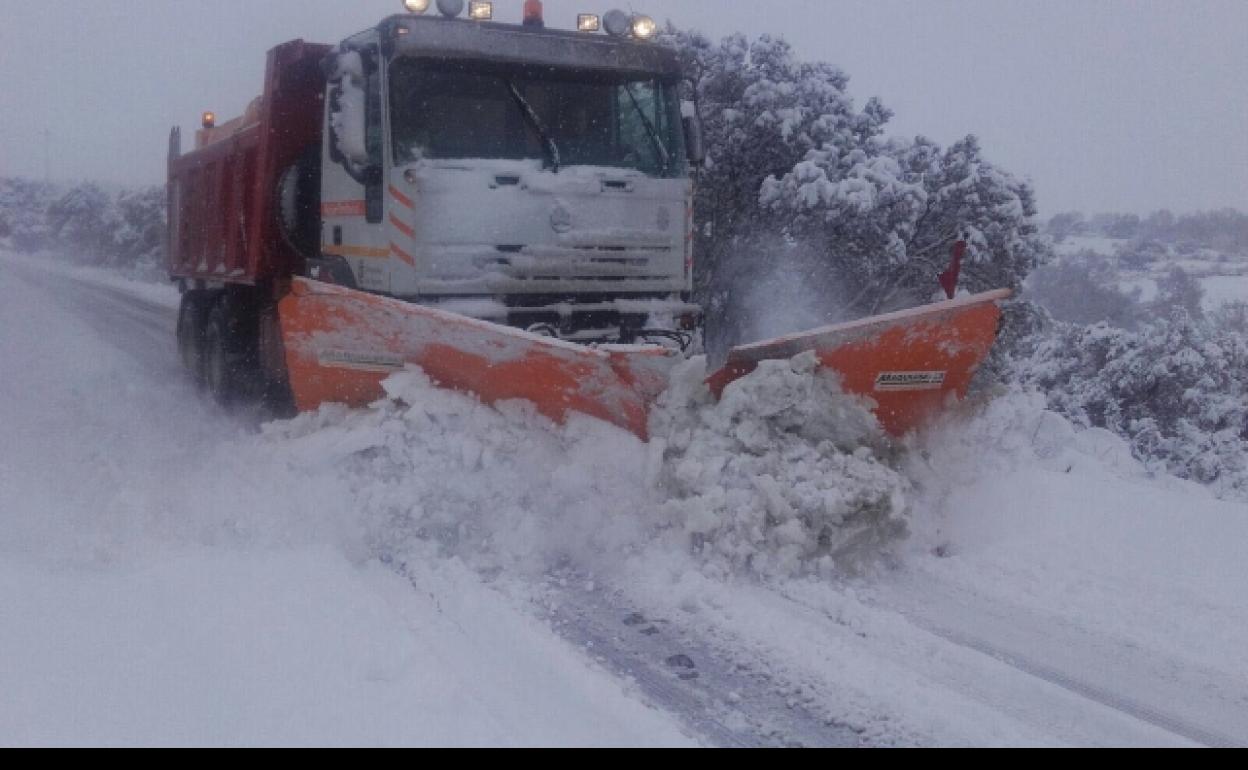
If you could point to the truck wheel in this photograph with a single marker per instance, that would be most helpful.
(192, 322)
(223, 374)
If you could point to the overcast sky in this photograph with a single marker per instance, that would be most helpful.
(1125, 105)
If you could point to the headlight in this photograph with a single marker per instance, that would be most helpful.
(480, 11)
(416, 6)
(644, 27)
(588, 22)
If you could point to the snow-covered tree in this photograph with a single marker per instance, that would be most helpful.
(1062, 226)
(1083, 289)
(23, 214)
(85, 220)
(1179, 290)
(889, 220)
(85, 223)
(800, 180)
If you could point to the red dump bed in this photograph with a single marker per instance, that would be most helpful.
(223, 207)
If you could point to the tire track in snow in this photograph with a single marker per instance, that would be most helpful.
(729, 703)
(1046, 673)
(140, 327)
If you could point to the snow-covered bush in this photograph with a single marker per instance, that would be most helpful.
(1176, 388)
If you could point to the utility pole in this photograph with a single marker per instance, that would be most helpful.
(47, 156)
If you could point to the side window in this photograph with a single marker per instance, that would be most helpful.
(355, 122)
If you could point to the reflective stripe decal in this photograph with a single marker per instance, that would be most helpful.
(403, 200)
(401, 254)
(356, 251)
(402, 226)
(343, 209)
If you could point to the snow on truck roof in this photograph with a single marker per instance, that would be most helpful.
(407, 35)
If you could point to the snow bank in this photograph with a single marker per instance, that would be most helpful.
(786, 475)
(501, 488)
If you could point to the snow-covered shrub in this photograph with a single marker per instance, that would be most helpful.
(786, 475)
(1176, 388)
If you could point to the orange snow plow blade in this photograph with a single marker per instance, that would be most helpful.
(911, 363)
(341, 344)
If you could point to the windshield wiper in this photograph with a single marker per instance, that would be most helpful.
(548, 142)
(664, 156)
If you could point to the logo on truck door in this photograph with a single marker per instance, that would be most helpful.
(887, 382)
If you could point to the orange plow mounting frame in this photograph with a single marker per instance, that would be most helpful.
(911, 363)
(341, 344)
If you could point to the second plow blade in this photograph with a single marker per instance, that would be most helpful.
(910, 363)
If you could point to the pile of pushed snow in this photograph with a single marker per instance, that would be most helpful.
(785, 475)
(503, 488)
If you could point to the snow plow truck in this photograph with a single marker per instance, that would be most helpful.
(506, 206)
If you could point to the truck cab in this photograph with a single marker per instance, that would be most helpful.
(531, 177)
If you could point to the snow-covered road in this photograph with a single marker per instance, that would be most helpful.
(169, 575)
(163, 582)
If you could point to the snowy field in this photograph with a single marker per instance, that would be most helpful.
(433, 571)
(1223, 281)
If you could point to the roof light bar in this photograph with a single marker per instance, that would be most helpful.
(617, 23)
(450, 8)
(588, 22)
(480, 11)
(534, 14)
(644, 27)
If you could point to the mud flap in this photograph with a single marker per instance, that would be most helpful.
(910, 363)
(341, 344)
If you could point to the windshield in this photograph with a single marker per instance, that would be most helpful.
(456, 110)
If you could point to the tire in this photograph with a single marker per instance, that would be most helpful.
(225, 371)
(192, 328)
